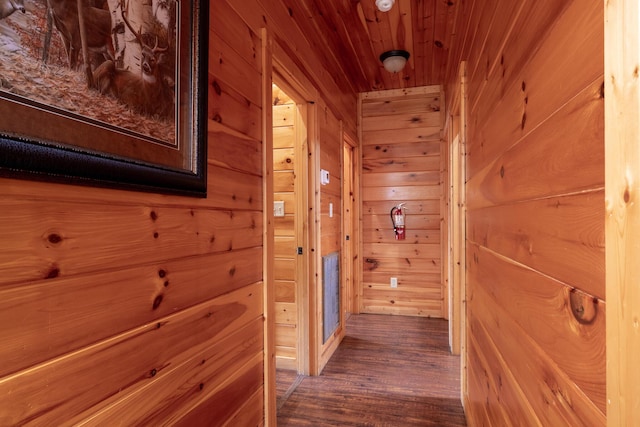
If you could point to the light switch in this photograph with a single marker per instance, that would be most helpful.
(330, 210)
(278, 208)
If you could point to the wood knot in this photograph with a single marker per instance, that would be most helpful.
(502, 172)
(54, 238)
(438, 44)
(373, 264)
(583, 307)
(53, 272)
(157, 301)
(153, 215)
(216, 88)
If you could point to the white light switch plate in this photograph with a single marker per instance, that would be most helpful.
(278, 208)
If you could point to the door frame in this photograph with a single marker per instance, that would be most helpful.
(277, 63)
(454, 231)
(351, 224)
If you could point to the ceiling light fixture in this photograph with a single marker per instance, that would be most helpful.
(384, 5)
(394, 60)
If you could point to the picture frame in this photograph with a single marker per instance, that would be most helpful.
(135, 118)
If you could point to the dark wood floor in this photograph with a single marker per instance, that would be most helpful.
(388, 371)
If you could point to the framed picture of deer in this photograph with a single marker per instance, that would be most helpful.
(105, 92)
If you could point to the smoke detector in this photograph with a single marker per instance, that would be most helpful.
(384, 5)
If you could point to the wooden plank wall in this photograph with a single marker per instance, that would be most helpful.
(535, 224)
(284, 161)
(133, 308)
(401, 163)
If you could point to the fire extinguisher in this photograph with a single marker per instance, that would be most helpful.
(397, 218)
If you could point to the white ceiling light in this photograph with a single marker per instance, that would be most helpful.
(384, 5)
(394, 60)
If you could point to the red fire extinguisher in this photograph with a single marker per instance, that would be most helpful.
(397, 218)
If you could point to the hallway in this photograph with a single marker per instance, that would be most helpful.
(388, 371)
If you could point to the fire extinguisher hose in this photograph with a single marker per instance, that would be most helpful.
(393, 221)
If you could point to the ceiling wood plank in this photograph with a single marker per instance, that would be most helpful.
(371, 19)
(405, 41)
(356, 33)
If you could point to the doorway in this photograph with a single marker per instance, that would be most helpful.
(290, 224)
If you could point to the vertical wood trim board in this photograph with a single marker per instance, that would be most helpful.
(401, 146)
(269, 235)
(622, 169)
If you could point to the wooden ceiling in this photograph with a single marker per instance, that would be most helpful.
(357, 33)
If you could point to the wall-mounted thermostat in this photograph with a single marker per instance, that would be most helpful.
(324, 177)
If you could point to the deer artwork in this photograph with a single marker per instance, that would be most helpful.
(147, 92)
(7, 7)
(65, 18)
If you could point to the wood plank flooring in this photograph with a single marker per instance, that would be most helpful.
(388, 371)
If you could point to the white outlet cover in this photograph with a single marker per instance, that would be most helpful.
(394, 282)
(330, 210)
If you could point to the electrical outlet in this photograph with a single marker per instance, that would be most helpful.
(394, 282)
